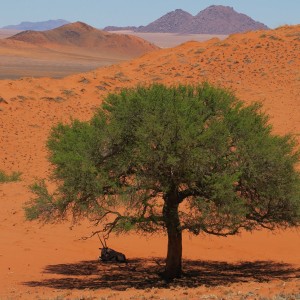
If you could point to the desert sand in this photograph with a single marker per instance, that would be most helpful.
(53, 262)
(169, 40)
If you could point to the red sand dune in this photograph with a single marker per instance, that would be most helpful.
(259, 66)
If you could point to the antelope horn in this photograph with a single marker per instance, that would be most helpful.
(101, 241)
(104, 239)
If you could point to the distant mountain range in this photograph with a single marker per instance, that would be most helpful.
(215, 19)
(41, 26)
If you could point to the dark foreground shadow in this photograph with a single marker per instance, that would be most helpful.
(144, 273)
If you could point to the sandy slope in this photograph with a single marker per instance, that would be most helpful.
(258, 66)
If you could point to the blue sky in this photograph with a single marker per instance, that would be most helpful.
(100, 13)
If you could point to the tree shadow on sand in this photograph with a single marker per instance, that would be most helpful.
(144, 273)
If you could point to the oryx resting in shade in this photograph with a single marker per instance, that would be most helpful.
(110, 255)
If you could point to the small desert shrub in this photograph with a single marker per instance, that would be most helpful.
(56, 99)
(19, 98)
(68, 93)
(275, 38)
(101, 88)
(293, 34)
(2, 100)
(247, 61)
(121, 77)
(84, 80)
(200, 50)
(15, 176)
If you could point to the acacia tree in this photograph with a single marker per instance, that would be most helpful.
(172, 159)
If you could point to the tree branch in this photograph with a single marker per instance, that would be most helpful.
(188, 193)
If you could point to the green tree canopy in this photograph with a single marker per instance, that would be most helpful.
(172, 159)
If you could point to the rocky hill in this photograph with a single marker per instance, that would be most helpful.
(218, 19)
(81, 35)
(215, 19)
(44, 25)
(171, 22)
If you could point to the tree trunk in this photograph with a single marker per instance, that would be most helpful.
(174, 256)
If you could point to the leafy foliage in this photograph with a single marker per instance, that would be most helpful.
(198, 147)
